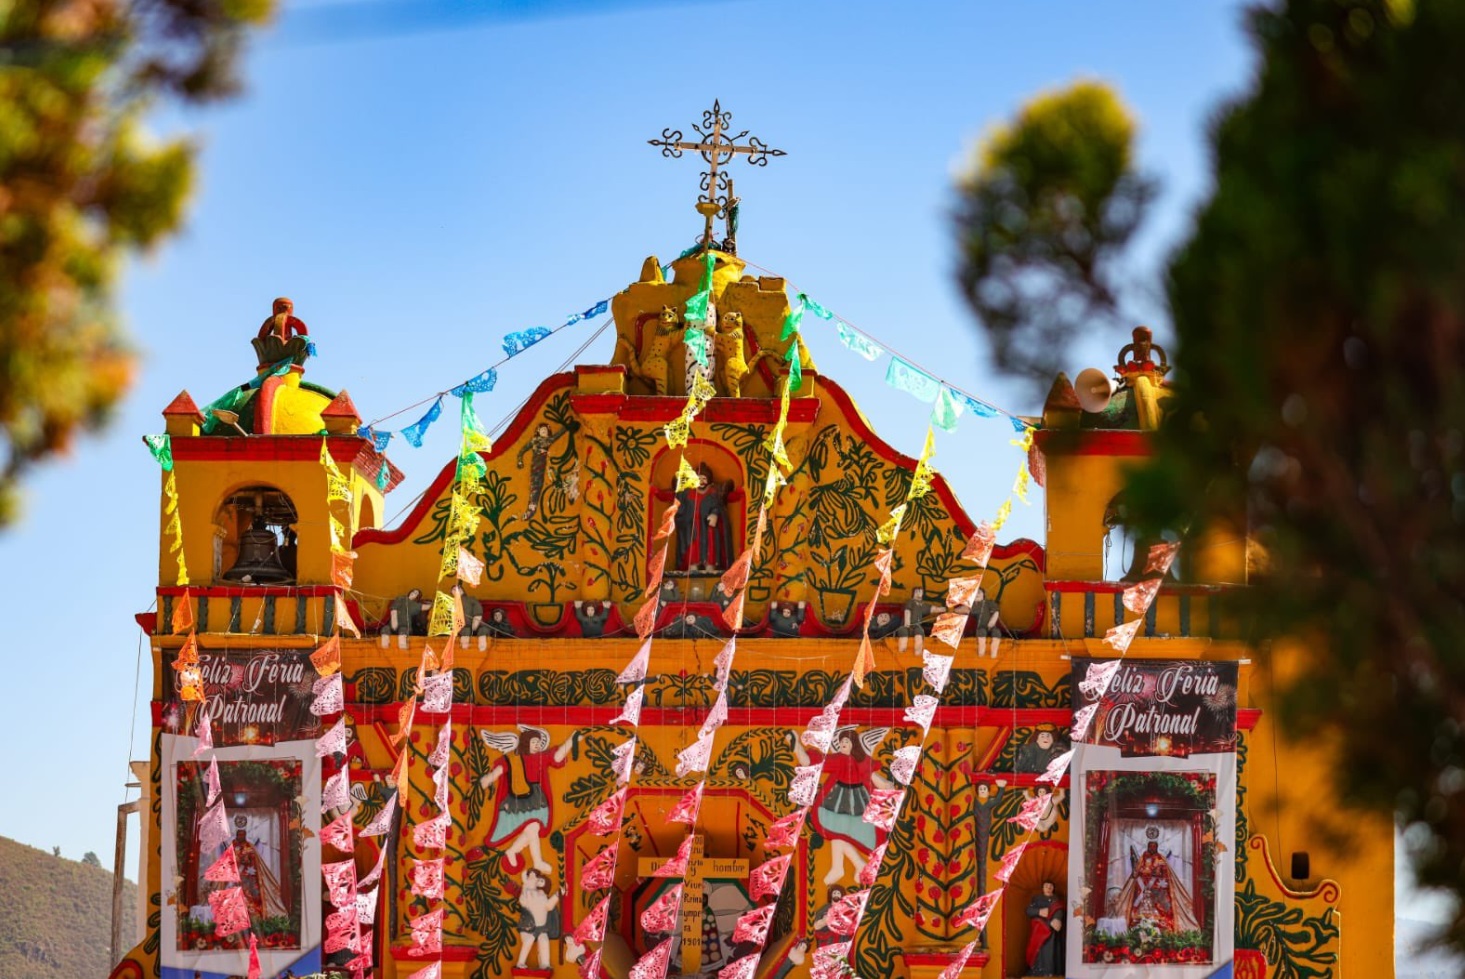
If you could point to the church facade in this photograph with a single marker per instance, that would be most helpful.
(1176, 837)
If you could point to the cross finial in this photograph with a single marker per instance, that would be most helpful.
(717, 146)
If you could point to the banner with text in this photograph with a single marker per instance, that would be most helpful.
(1151, 873)
(255, 696)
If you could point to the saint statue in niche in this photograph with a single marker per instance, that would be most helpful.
(704, 534)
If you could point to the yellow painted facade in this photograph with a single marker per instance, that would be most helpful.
(573, 491)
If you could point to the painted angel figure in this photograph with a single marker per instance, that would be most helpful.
(539, 917)
(521, 806)
(850, 771)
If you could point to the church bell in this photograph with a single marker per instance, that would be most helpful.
(260, 561)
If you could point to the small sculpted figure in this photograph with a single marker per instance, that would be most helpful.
(282, 337)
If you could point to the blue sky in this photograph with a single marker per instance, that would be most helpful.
(422, 178)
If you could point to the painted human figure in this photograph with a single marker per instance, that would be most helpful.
(498, 624)
(473, 624)
(823, 934)
(883, 624)
(539, 444)
(592, 617)
(982, 811)
(704, 535)
(984, 613)
(521, 811)
(1154, 893)
(282, 336)
(850, 771)
(797, 953)
(539, 917)
(786, 618)
(1048, 815)
(406, 616)
(1035, 754)
(917, 609)
(260, 885)
(1045, 951)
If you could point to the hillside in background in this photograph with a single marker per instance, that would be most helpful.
(56, 915)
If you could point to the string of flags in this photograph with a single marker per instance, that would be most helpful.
(1137, 599)
(948, 401)
(599, 872)
(354, 900)
(161, 447)
(483, 382)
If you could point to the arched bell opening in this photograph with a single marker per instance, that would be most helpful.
(1126, 551)
(256, 538)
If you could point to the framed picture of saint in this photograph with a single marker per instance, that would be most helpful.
(1150, 866)
(262, 803)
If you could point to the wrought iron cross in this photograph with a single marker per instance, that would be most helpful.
(717, 147)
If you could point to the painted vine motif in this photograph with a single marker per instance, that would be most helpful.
(1296, 946)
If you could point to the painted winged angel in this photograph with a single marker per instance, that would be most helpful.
(521, 805)
(850, 771)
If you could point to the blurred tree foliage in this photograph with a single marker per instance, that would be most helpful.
(1319, 313)
(1050, 202)
(81, 186)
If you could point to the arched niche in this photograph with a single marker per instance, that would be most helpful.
(1126, 551)
(366, 515)
(1043, 860)
(724, 478)
(255, 536)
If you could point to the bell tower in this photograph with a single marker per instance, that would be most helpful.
(1096, 429)
(248, 469)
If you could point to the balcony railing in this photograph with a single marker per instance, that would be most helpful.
(281, 610)
(1088, 609)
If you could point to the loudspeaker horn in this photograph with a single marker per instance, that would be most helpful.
(1094, 389)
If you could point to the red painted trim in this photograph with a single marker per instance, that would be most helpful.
(264, 406)
(1096, 442)
(450, 953)
(341, 407)
(957, 716)
(429, 498)
(126, 969)
(607, 403)
(977, 960)
(183, 404)
(1113, 587)
(601, 369)
(958, 513)
(251, 591)
(600, 716)
(651, 408)
(265, 448)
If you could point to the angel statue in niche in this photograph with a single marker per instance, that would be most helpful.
(850, 771)
(521, 805)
